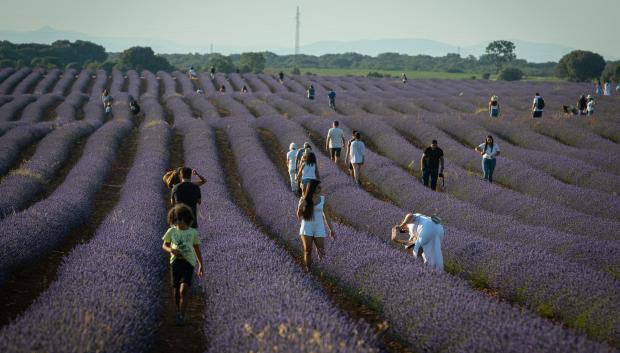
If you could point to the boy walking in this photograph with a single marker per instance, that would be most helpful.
(182, 243)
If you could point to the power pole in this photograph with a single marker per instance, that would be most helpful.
(297, 32)
(211, 48)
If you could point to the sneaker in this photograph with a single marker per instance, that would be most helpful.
(180, 320)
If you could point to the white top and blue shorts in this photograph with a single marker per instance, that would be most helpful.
(316, 226)
(308, 173)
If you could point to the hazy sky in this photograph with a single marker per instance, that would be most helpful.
(580, 24)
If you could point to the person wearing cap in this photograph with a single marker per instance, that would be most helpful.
(425, 237)
(590, 105)
(494, 107)
(582, 105)
(431, 164)
(292, 166)
(334, 141)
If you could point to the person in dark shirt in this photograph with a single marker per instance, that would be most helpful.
(432, 159)
(187, 193)
(582, 105)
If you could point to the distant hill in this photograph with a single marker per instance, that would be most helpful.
(532, 52)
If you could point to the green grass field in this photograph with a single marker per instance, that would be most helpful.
(411, 74)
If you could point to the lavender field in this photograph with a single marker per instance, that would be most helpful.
(532, 260)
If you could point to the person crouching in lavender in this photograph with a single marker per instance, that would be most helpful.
(425, 237)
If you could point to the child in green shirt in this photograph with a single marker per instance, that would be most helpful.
(183, 244)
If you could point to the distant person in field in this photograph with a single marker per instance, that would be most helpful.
(308, 170)
(310, 92)
(222, 89)
(591, 104)
(281, 77)
(313, 220)
(425, 237)
(334, 141)
(404, 78)
(291, 156)
(356, 156)
(332, 99)
(599, 88)
(199, 92)
(582, 105)
(192, 73)
(182, 242)
(618, 89)
(488, 150)
(494, 107)
(244, 89)
(106, 98)
(607, 89)
(346, 158)
(187, 193)
(134, 107)
(432, 164)
(212, 71)
(538, 105)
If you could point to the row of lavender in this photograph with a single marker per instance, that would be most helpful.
(286, 310)
(105, 298)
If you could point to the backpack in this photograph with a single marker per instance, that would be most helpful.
(540, 103)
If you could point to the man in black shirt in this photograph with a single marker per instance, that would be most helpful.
(431, 160)
(187, 193)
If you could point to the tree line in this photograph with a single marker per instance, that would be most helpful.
(499, 58)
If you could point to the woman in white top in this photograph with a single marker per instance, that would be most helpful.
(308, 170)
(106, 98)
(356, 156)
(425, 237)
(292, 167)
(488, 150)
(313, 220)
(607, 88)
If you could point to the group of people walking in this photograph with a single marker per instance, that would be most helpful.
(106, 99)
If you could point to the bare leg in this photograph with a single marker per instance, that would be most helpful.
(184, 291)
(177, 299)
(307, 243)
(320, 247)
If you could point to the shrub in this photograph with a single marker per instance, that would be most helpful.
(295, 71)
(374, 74)
(486, 76)
(580, 66)
(510, 74)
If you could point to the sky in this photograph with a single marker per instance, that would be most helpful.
(269, 24)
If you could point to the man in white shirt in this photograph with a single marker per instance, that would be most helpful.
(291, 163)
(425, 237)
(334, 141)
(356, 155)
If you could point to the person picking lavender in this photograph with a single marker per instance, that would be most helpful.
(425, 237)
(182, 243)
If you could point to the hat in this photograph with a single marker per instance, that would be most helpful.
(589, 97)
(494, 98)
(307, 145)
(293, 146)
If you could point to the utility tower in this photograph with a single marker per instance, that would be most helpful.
(297, 32)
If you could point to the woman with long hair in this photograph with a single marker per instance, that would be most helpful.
(313, 220)
(308, 170)
(488, 150)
